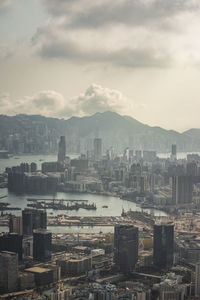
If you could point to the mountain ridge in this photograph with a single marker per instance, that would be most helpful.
(114, 129)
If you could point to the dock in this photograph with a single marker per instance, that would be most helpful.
(52, 199)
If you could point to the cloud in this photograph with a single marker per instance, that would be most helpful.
(53, 104)
(117, 46)
(47, 103)
(125, 33)
(99, 99)
(98, 13)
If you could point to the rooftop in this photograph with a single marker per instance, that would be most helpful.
(37, 270)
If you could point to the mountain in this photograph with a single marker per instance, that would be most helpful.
(115, 130)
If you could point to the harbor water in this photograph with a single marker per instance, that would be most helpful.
(105, 205)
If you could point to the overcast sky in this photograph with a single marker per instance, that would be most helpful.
(76, 57)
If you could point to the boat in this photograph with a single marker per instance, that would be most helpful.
(105, 206)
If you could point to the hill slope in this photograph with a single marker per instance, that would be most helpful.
(115, 130)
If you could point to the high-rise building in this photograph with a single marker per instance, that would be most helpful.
(97, 148)
(138, 155)
(15, 224)
(33, 167)
(126, 247)
(191, 169)
(163, 245)
(11, 242)
(41, 244)
(8, 271)
(61, 149)
(33, 219)
(197, 280)
(182, 189)
(149, 156)
(173, 152)
(126, 155)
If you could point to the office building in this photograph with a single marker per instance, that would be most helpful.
(173, 152)
(33, 167)
(126, 247)
(41, 244)
(52, 167)
(182, 189)
(138, 155)
(149, 156)
(61, 149)
(8, 271)
(33, 219)
(163, 245)
(11, 242)
(15, 224)
(191, 169)
(97, 149)
(80, 165)
(126, 155)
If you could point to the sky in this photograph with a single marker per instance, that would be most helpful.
(63, 58)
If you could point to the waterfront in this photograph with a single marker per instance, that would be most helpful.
(114, 205)
(17, 160)
(39, 159)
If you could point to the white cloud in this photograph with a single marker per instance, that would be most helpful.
(52, 104)
(47, 103)
(99, 99)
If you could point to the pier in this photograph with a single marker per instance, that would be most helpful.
(54, 199)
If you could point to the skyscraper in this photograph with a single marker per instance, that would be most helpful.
(33, 219)
(182, 189)
(41, 244)
(11, 242)
(173, 152)
(9, 271)
(163, 245)
(126, 247)
(61, 149)
(97, 148)
(15, 224)
(192, 169)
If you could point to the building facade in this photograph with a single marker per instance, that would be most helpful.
(163, 245)
(126, 247)
(33, 219)
(8, 271)
(42, 244)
